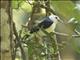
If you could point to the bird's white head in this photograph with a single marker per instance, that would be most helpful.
(54, 18)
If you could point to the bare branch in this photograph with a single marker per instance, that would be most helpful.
(19, 43)
(77, 32)
(29, 2)
(48, 8)
(63, 34)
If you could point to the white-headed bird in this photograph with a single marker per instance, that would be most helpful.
(48, 24)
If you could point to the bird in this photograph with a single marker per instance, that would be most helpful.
(47, 23)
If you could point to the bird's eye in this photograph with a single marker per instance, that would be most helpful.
(56, 17)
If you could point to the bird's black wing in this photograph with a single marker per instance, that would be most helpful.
(45, 23)
(34, 29)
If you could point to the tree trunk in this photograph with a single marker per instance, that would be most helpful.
(5, 33)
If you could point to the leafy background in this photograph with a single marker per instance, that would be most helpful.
(64, 9)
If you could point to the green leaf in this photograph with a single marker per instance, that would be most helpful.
(15, 4)
(26, 6)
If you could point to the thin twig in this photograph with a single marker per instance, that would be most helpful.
(47, 4)
(30, 23)
(19, 43)
(48, 8)
(29, 2)
(57, 47)
(63, 34)
(77, 32)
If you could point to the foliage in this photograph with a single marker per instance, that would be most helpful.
(67, 10)
(47, 47)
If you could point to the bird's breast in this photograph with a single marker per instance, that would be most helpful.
(51, 28)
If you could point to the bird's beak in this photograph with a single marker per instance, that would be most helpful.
(60, 20)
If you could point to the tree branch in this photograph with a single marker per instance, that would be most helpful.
(19, 43)
(63, 34)
(30, 23)
(47, 8)
(77, 32)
